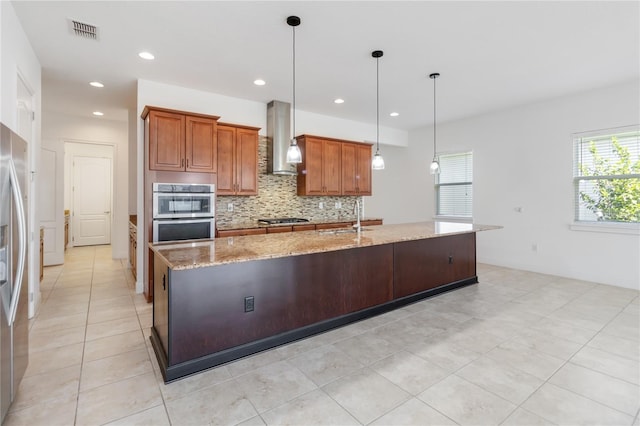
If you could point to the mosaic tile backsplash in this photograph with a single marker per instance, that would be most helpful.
(277, 198)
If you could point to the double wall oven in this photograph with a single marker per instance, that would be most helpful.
(183, 211)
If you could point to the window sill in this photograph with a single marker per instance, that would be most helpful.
(611, 228)
(460, 219)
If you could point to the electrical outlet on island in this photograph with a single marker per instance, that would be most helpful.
(230, 207)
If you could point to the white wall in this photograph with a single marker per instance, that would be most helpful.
(522, 158)
(60, 128)
(17, 57)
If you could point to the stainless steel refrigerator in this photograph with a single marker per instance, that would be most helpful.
(14, 331)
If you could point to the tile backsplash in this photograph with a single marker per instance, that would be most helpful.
(277, 198)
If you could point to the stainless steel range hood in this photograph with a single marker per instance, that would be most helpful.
(279, 138)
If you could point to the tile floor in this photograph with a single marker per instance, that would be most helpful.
(519, 348)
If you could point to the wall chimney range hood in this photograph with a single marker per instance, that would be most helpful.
(279, 138)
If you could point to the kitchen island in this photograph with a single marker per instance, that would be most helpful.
(219, 300)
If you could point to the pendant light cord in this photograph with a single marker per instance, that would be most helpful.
(294, 83)
(434, 117)
(377, 105)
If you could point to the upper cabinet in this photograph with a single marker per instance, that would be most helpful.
(356, 169)
(333, 167)
(321, 168)
(237, 160)
(180, 141)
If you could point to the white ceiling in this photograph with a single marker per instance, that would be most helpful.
(491, 55)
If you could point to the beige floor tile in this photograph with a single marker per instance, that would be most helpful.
(624, 325)
(52, 412)
(548, 344)
(466, 403)
(313, 408)
(509, 383)
(565, 330)
(60, 322)
(114, 302)
(573, 410)
(472, 338)
(298, 347)
(444, 354)
(413, 413)
(522, 417)
(42, 340)
(112, 327)
(103, 313)
(54, 309)
(409, 372)
(325, 364)
(367, 348)
(67, 299)
(195, 383)
(587, 320)
(225, 403)
(274, 385)
(46, 387)
(528, 360)
(253, 362)
(614, 393)
(114, 368)
(254, 421)
(616, 345)
(54, 359)
(406, 331)
(113, 345)
(156, 416)
(114, 401)
(366, 395)
(607, 363)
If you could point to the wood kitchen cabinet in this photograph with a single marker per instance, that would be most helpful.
(181, 142)
(356, 169)
(321, 169)
(237, 160)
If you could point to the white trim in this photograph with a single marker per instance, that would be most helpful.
(609, 227)
(604, 132)
(460, 219)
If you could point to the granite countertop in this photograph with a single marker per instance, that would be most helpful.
(199, 254)
(251, 224)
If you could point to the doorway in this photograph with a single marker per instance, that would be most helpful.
(90, 189)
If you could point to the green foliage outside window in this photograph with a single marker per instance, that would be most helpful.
(613, 199)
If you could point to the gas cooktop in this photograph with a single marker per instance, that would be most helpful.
(282, 220)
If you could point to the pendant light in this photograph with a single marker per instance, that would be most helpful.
(294, 155)
(435, 165)
(378, 162)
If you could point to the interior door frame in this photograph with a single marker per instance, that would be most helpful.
(69, 176)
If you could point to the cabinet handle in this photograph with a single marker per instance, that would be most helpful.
(182, 163)
(187, 163)
(164, 283)
(450, 259)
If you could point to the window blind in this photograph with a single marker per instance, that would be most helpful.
(454, 192)
(607, 177)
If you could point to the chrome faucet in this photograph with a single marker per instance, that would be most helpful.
(356, 210)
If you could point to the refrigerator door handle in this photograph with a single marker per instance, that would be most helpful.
(22, 242)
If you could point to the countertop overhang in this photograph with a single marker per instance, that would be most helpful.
(220, 251)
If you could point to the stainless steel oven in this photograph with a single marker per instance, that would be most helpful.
(180, 201)
(183, 211)
(183, 229)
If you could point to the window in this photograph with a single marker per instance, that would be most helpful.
(454, 192)
(607, 176)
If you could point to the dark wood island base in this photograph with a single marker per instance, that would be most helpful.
(207, 316)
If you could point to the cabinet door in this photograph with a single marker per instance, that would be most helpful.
(246, 162)
(363, 169)
(313, 167)
(332, 167)
(200, 145)
(349, 184)
(226, 160)
(166, 141)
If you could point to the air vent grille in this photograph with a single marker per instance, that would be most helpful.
(84, 30)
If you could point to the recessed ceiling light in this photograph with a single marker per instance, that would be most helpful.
(339, 101)
(96, 84)
(259, 82)
(146, 55)
(98, 113)
(394, 114)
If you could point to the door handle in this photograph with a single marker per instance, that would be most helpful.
(22, 240)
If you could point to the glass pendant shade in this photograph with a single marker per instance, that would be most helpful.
(294, 155)
(435, 166)
(378, 162)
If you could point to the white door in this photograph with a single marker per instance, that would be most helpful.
(91, 201)
(50, 198)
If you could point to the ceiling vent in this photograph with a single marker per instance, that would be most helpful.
(83, 30)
